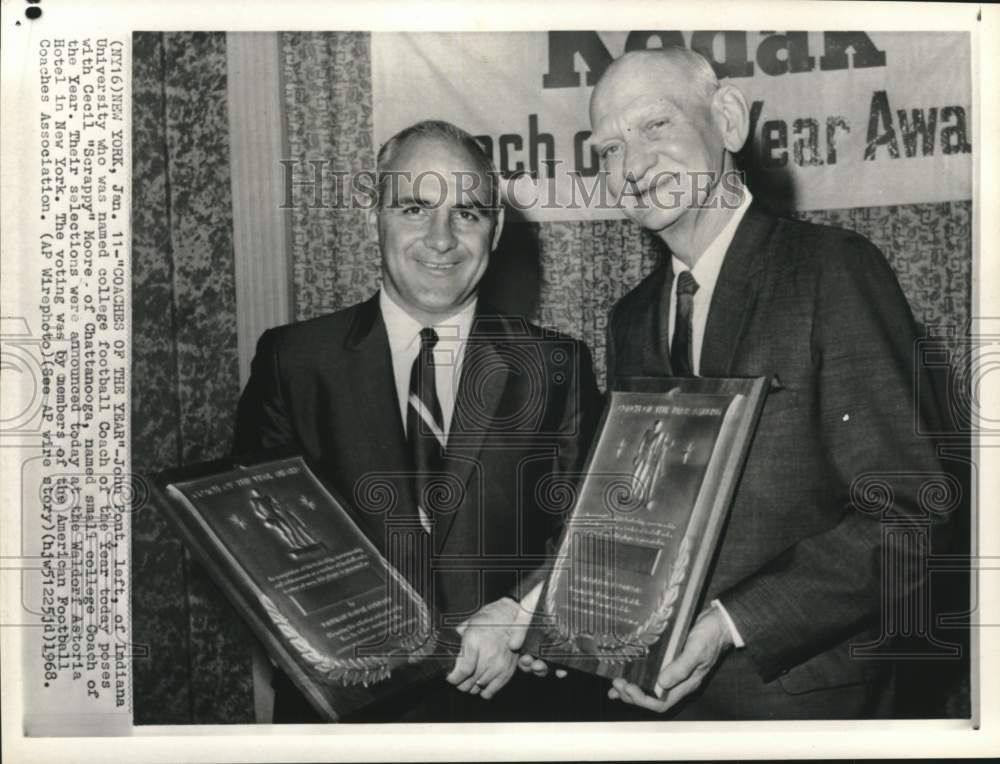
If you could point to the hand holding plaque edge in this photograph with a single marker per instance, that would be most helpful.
(537, 666)
(529, 663)
(708, 639)
(490, 640)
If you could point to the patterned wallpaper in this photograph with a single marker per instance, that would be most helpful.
(185, 382)
(929, 247)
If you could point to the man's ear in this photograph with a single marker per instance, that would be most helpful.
(497, 229)
(729, 108)
(371, 222)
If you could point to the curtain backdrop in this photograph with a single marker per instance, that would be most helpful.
(185, 379)
(195, 661)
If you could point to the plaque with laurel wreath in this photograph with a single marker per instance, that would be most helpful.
(645, 523)
(332, 612)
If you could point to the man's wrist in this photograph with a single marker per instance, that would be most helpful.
(734, 633)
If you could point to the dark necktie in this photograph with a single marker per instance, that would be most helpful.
(424, 422)
(681, 345)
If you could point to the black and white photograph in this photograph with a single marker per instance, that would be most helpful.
(319, 335)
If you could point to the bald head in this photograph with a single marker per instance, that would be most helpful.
(685, 74)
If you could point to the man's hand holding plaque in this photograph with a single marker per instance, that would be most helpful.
(490, 641)
(707, 641)
(537, 666)
(632, 561)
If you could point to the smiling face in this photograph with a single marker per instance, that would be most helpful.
(656, 124)
(435, 234)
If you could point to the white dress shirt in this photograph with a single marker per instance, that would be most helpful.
(706, 273)
(404, 344)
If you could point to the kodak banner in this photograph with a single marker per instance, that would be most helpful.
(837, 119)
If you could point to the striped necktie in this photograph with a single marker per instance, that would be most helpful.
(681, 361)
(424, 422)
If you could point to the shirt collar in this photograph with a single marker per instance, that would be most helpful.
(706, 270)
(403, 330)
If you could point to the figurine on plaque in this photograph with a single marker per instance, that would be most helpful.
(284, 524)
(340, 620)
(648, 516)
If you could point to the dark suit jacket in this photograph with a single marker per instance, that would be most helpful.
(818, 312)
(525, 410)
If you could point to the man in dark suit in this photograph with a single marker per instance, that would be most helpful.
(798, 580)
(424, 405)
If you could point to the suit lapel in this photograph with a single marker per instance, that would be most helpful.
(481, 387)
(656, 326)
(735, 293)
(379, 430)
